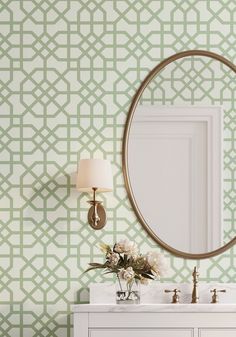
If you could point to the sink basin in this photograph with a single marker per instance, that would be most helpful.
(104, 293)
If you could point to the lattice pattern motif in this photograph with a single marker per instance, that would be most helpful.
(68, 72)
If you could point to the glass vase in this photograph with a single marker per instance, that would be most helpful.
(127, 292)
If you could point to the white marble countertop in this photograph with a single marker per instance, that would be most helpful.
(155, 308)
(154, 293)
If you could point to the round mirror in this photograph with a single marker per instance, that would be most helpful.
(179, 155)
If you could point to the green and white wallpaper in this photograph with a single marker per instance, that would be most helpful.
(69, 70)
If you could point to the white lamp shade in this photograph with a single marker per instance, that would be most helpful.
(94, 173)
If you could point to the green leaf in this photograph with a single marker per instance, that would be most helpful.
(93, 264)
(105, 248)
(110, 272)
(91, 268)
(147, 276)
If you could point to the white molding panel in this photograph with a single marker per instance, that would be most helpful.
(175, 170)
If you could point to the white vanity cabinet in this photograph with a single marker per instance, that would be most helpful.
(140, 333)
(163, 320)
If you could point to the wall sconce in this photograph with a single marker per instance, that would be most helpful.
(94, 175)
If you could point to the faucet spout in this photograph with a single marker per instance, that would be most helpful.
(195, 296)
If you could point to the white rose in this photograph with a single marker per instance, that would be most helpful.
(163, 267)
(113, 258)
(127, 274)
(119, 247)
(127, 247)
(157, 263)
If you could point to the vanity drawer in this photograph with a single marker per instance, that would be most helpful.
(141, 333)
(217, 332)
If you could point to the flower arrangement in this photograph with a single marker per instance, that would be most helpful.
(129, 265)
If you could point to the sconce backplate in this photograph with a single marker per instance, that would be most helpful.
(102, 215)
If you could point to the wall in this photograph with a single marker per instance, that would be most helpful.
(68, 72)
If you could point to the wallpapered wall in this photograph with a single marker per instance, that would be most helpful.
(68, 72)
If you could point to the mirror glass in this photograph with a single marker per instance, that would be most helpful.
(181, 155)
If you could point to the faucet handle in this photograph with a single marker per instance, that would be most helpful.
(175, 297)
(215, 297)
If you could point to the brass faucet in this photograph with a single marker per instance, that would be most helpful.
(175, 298)
(215, 297)
(195, 297)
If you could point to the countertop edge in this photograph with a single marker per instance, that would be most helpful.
(160, 308)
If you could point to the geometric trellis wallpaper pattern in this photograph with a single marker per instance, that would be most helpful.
(68, 72)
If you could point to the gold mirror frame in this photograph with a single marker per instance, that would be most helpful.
(153, 73)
